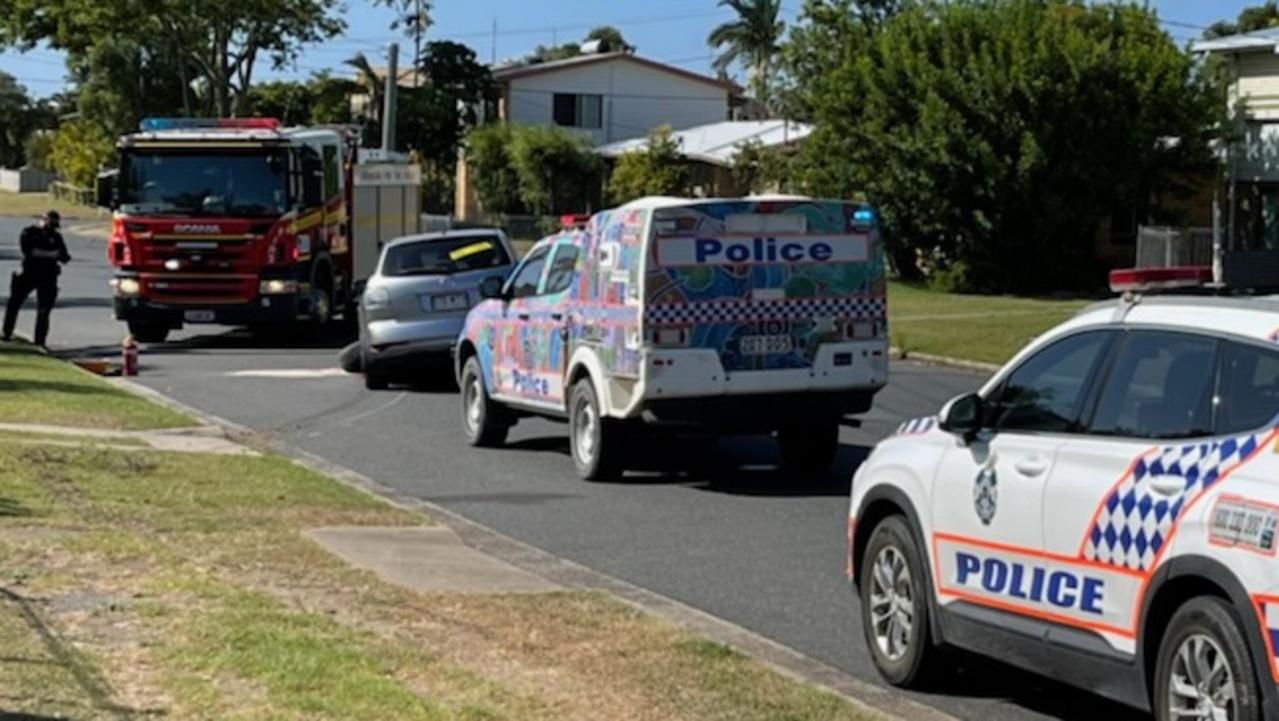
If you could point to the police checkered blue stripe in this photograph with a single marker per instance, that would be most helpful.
(1134, 522)
(916, 426)
(721, 311)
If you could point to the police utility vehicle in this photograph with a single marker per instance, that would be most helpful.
(1103, 511)
(696, 316)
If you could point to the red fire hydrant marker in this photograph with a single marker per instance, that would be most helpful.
(129, 356)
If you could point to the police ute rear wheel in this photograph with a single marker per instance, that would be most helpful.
(893, 592)
(809, 449)
(1204, 672)
(595, 441)
(148, 332)
(483, 420)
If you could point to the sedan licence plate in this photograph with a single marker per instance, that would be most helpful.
(765, 344)
(198, 316)
(445, 302)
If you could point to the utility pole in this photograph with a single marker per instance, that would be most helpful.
(388, 109)
(417, 42)
(493, 56)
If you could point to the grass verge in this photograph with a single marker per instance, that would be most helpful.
(32, 205)
(972, 327)
(182, 586)
(35, 388)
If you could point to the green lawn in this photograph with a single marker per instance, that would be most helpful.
(138, 584)
(35, 388)
(31, 205)
(971, 327)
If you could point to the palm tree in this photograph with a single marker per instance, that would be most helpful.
(367, 76)
(754, 38)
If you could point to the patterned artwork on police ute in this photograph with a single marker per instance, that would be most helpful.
(795, 290)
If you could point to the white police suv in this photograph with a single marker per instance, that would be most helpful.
(1103, 511)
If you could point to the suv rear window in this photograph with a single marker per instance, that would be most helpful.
(445, 256)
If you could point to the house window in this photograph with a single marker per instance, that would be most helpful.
(578, 111)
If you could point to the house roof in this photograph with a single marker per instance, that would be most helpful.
(1267, 39)
(717, 143)
(513, 72)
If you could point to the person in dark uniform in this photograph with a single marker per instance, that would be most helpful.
(42, 250)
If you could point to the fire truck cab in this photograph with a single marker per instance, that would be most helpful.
(230, 221)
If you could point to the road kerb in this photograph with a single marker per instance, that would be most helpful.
(941, 360)
(570, 574)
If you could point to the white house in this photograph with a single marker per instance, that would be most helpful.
(612, 96)
(1250, 211)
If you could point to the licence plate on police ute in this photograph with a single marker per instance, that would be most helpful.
(765, 344)
(198, 316)
(447, 301)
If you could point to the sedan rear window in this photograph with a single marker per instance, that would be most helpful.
(445, 256)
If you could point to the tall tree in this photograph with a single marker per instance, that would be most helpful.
(368, 78)
(15, 109)
(1001, 134)
(221, 40)
(125, 81)
(1257, 17)
(611, 39)
(415, 17)
(826, 34)
(754, 38)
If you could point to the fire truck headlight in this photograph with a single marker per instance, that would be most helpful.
(125, 286)
(277, 286)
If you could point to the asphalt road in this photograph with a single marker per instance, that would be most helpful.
(750, 546)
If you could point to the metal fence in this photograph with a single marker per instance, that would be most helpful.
(59, 190)
(1160, 246)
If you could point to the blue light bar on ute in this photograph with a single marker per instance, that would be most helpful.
(157, 124)
(864, 215)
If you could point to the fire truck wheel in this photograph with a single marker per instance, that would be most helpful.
(148, 332)
(485, 422)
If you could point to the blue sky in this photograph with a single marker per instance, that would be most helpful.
(668, 30)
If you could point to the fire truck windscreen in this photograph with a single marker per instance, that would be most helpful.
(252, 183)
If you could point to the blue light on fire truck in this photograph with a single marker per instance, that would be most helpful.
(157, 124)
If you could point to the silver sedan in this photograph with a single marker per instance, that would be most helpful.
(414, 305)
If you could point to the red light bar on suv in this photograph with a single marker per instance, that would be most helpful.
(1139, 279)
(575, 220)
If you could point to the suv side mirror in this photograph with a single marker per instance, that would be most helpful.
(491, 287)
(104, 189)
(962, 415)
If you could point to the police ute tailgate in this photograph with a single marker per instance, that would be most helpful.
(759, 296)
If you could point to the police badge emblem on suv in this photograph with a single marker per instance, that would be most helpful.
(1103, 510)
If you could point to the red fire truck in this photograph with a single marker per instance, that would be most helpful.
(243, 222)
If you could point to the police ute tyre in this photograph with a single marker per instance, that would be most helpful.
(376, 380)
(482, 419)
(1204, 669)
(809, 449)
(893, 590)
(595, 442)
(148, 332)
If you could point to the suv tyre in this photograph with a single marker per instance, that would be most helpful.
(895, 610)
(1204, 669)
